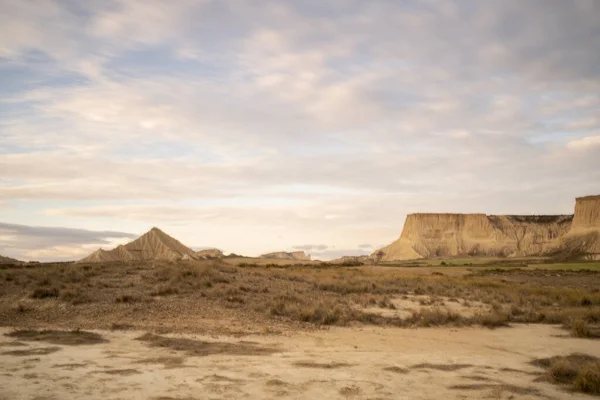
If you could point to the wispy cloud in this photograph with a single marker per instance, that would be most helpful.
(282, 115)
(311, 247)
(53, 243)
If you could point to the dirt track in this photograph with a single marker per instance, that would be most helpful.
(356, 363)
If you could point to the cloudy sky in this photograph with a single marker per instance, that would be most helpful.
(266, 125)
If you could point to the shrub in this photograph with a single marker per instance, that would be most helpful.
(435, 317)
(588, 379)
(494, 319)
(165, 290)
(42, 293)
(581, 329)
(75, 297)
(128, 298)
(580, 371)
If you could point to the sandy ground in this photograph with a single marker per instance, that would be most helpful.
(404, 306)
(340, 363)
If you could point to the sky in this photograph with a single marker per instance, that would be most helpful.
(263, 125)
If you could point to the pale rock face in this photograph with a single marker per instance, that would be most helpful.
(355, 259)
(450, 235)
(282, 255)
(153, 245)
(209, 253)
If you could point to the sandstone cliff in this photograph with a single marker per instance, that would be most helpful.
(282, 255)
(451, 235)
(153, 245)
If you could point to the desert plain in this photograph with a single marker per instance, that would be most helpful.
(230, 328)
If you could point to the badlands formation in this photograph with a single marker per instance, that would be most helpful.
(425, 236)
(452, 235)
(153, 245)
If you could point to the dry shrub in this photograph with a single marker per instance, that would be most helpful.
(42, 293)
(76, 296)
(74, 338)
(320, 313)
(386, 303)
(580, 371)
(435, 317)
(205, 348)
(128, 298)
(495, 319)
(165, 290)
(588, 379)
(582, 329)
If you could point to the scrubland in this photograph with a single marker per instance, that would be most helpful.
(215, 298)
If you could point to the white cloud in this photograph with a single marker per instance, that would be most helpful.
(589, 142)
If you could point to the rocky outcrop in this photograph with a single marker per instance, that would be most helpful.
(452, 235)
(153, 245)
(209, 253)
(355, 260)
(282, 255)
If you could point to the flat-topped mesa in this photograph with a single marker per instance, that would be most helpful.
(587, 213)
(153, 245)
(283, 255)
(451, 235)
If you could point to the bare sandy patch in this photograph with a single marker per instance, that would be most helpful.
(353, 363)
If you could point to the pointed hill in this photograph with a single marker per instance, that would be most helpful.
(152, 245)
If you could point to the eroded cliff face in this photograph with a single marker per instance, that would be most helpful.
(587, 213)
(452, 235)
(153, 245)
(583, 239)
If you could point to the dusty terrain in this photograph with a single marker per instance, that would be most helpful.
(208, 329)
(354, 363)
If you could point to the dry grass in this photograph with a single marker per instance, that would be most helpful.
(203, 348)
(582, 329)
(41, 351)
(295, 295)
(441, 367)
(330, 365)
(397, 370)
(71, 338)
(121, 372)
(498, 387)
(580, 372)
(166, 361)
(42, 293)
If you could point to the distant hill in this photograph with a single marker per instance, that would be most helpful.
(8, 260)
(152, 245)
(209, 253)
(282, 255)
